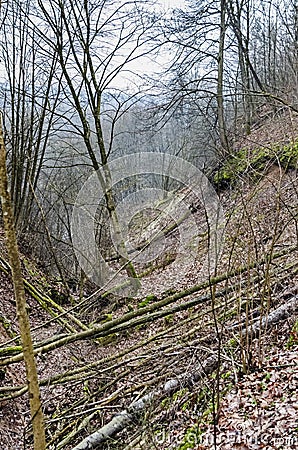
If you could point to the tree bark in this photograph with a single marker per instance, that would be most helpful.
(22, 314)
(146, 314)
(132, 413)
(220, 102)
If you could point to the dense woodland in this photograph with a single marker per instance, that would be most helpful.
(149, 228)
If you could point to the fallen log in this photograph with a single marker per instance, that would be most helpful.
(47, 303)
(132, 413)
(115, 325)
(276, 316)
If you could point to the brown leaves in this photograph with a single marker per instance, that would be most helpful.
(262, 409)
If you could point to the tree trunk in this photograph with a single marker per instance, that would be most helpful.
(22, 315)
(220, 103)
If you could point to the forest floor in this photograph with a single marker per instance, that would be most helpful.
(249, 402)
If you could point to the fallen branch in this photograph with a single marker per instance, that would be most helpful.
(146, 314)
(46, 302)
(131, 414)
(279, 314)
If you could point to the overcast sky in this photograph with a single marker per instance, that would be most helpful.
(167, 4)
(144, 65)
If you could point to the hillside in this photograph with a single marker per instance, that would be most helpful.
(148, 167)
(202, 354)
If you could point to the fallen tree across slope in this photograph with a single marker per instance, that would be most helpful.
(132, 413)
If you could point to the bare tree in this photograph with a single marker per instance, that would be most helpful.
(30, 94)
(239, 12)
(22, 314)
(94, 45)
(220, 79)
(195, 82)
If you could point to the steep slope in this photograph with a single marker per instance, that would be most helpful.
(99, 354)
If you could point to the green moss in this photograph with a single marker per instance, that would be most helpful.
(107, 339)
(34, 272)
(232, 168)
(179, 394)
(105, 318)
(7, 326)
(165, 402)
(191, 438)
(149, 299)
(168, 319)
(289, 156)
(233, 343)
(226, 375)
(293, 339)
(255, 161)
(9, 351)
(186, 406)
(86, 388)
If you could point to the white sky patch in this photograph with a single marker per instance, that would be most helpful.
(146, 65)
(170, 4)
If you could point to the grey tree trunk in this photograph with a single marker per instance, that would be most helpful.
(22, 314)
(220, 102)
